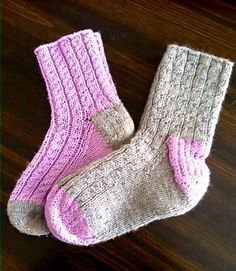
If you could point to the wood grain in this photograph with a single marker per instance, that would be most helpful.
(135, 35)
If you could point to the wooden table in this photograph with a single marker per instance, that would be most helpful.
(135, 35)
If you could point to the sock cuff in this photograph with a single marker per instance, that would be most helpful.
(187, 94)
(180, 49)
(74, 62)
(208, 87)
(206, 66)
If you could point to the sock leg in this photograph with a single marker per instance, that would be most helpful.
(162, 172)
(88, 121)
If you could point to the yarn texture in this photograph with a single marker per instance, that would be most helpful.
(162, 172)
(88, 121)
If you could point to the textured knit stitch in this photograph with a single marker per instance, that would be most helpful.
(82, 98)
(162, 171)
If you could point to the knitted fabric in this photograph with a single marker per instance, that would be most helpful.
(162, 172)
(84, 103)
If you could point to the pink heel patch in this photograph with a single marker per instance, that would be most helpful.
(187, 159)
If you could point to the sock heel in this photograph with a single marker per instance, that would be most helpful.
(187, 159)
(115, 124)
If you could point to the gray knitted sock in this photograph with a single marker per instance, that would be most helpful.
(162, 172)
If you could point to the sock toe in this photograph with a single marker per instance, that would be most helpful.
(66, 220)
(27, 217)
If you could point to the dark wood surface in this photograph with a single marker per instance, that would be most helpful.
(135, 35)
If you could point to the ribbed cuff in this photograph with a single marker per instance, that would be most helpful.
(72, 36)
(209, 68)
(201, 82)
(74, 62)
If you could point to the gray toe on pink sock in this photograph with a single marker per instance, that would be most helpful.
(27, 217)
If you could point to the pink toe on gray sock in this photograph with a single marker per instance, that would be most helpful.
(65, 219)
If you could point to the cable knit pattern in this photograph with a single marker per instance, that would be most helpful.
(162, 171)
(80, 89)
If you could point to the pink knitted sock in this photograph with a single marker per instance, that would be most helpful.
(88, 120)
